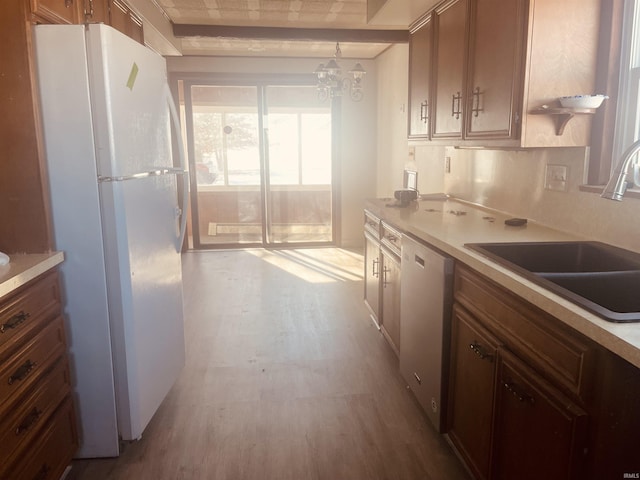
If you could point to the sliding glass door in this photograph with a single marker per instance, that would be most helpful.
(299, 187)
(261, 165)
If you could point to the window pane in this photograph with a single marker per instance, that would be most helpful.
(241, 141)
(207, 134)
(284, 149)
(316, 149)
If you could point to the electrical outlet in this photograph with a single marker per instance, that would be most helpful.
(556, 178)
(447, 164)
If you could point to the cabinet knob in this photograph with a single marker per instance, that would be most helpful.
(456, 102)
(475, 107)
(14, 321)
(68, 3)
(29, 421)
(22, 371)
(481, 352)
(424, 111)
(385, 270)
(518, 393)
(43, 473)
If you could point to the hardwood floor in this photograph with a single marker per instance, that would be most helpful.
(286, 378)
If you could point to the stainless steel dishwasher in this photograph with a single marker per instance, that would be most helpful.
(425, 305)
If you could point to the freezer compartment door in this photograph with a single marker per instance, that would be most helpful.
(128, 95)
(144, 280)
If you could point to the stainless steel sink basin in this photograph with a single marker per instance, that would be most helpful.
(598, 277)
(561, 256)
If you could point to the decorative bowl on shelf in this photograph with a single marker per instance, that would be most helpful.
(582, 101)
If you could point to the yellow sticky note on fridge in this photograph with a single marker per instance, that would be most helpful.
(132, 76)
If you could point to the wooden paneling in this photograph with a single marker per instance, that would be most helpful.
(24, 209)
(450, 23)
(58, 11)
(420, 64)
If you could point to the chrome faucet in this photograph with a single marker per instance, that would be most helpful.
(618, 182)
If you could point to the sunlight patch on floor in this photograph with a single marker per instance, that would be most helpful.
(316, 265)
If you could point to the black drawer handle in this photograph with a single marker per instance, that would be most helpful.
(14, 321)
(518, 393)
(29, 421)
(481, 352)
(22, 372)
(43, 473)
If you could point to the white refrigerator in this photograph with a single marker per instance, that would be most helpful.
(107, 115)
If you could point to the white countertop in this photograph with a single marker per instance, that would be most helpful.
(23, 268)
(432, 222)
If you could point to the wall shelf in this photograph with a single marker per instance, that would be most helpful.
(562, 115)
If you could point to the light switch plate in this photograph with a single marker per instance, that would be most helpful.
(555, 178)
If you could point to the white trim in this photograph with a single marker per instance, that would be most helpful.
(628, 120)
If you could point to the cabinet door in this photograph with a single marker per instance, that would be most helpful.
(538, 432)
(420, 57)
(473, 366)
(123, 19)
(391, 299)
(494, 92)
(97, 11)
(58, 11)
(450, 23)
(372, 276)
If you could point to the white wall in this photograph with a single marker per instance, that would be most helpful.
(514, 182)
(392, 147)
(358, 145)
(394, 152)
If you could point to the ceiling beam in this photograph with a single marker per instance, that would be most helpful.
(295, 34)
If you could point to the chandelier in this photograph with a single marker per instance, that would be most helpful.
(331, 83)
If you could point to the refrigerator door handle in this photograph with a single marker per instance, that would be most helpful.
(175, 120)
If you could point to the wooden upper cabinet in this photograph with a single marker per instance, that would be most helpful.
(450, 29)
(497, 62)
(58, 11)
(123, 19)
(420, 57)
(496, 53)
(97, 11)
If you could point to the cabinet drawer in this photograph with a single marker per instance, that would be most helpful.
(25, 417)
(58, 11)
(21, 313)
(31, 362)
(559, 353)
(52, 451)
(372, 224)
(392, 238)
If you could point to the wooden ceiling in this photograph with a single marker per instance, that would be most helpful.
(195, 22)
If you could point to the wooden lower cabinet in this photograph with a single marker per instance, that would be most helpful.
(372, 268)
(391, 298)
(472, 378)
(530, 398)
(538, 431)
(37, 421)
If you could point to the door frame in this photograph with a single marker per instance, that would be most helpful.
(260, 82)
